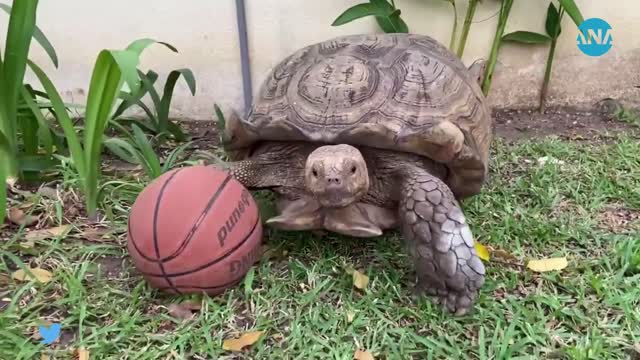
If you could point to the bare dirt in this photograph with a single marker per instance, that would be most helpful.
(509, 125)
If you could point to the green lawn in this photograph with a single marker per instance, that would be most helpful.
(303, 297)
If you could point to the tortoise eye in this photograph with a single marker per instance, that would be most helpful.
(353, 169)
(314, 172)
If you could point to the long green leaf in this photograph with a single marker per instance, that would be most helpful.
(552, 23)
(143, 106)
(173, 156)
(169, 86)
(152, 76)
(109, 72)
(359, 11)
(75, 148)
(153, 94)
(3, 190)
(44, 131)
(138, 46)
(526, 37)
(121, 149)
(40, 37)
(572, 9)
(392, 23)
(19, 34)
(152, 163)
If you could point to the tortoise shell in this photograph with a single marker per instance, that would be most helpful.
(402, 92)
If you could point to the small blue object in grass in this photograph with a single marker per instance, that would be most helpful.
(49, 334)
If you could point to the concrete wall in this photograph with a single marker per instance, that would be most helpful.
(205, 34)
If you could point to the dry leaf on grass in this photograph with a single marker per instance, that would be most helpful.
(193, 305)
(4, 279)
(548, 264)
(41, 275)
(350, 316)
(363, 355)
(29, 244)
(180, 311)
(360, 280)
(47, 233)
(82, 354)
(246, 339)
(483, 252)
(18, 217)
(45, 357)
(95, 234)
(502, 254)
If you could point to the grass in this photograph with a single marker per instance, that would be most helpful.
(303, 298)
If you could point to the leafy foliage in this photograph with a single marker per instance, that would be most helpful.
(112, 69)
(386, 14)
(157, 121)
(553, 30)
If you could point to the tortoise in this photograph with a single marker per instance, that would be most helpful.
(365, 133)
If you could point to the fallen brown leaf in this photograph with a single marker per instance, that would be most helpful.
(48, 192)
(18, 217)
(82, 354)
(193, 305)
(350, 316)
(503, 254)
(41, 275)
(246, 339)
(548, 264)
(363, 355)
(180, 311)
(360, 280)
(45, 357)
(29, 244)
(4, 279)
(42, 234)
(93, 234)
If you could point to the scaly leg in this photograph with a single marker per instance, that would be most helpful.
(440, 242)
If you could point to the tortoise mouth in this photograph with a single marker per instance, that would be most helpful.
(336, 199)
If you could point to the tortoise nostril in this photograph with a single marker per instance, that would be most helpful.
(333, 181)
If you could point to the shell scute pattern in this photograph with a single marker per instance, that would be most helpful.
(401, 92)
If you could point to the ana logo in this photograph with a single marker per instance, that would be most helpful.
(594, 37)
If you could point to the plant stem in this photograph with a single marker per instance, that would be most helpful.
(505, 9)
(547, 75)
(471, 10)
(454, 31)
(549, 65)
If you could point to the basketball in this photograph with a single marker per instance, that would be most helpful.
(194, 229)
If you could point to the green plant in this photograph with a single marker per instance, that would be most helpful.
(139, 149)
(13, 93)
(553, 29)
(503, 16)
(21, 30)
(466, 27)
(112, 69)
(386, 14)
(158, 121)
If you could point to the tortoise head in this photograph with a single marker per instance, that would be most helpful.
(336, 175)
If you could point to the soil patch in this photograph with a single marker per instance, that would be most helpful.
(572, 124)
(509, 124)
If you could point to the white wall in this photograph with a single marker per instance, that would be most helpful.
(205, 34)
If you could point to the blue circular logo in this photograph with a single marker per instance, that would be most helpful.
(594, 37)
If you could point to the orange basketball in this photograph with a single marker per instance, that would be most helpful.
(194, 229)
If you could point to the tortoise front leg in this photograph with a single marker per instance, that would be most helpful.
(440, 242)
